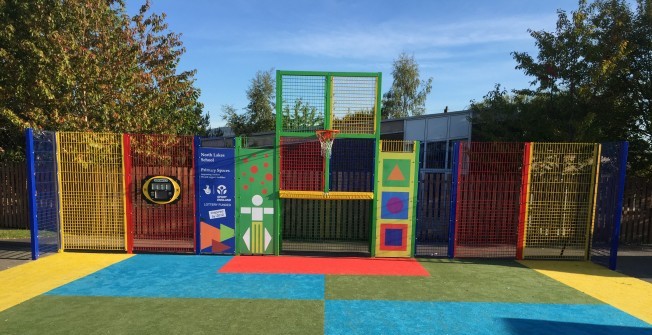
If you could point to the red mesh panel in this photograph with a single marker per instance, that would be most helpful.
(489, 189)
(302, 166)
(171, 227)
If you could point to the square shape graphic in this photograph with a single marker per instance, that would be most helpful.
(396, 172)
(393, 237)
(395, 205)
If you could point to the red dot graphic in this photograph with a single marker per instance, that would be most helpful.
(251, 179)
(269, 176)
(266, 164)
(244, 174)
(254, 169)
(264, 191)
(266, 155)
(262, 183)
(253, 155)
(246, 187)
(394, 205)
(246, 160)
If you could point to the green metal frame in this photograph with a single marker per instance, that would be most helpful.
(327, 125)
(415, 196)
(374, 203)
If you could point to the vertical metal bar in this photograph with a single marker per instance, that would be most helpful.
(277, 162)
(195, 232)
(592, 200)
(453, 206)
(618, 211)
(31, 192)
(328, 104)
(60, 195)
(196, 219)
(374, 214)
(415, 190)
(328, 123)
(128, 204)
(525, 188)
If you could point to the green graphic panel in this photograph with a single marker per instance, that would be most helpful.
(256, 200)
(396, 172)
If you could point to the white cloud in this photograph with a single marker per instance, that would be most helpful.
(390, 38)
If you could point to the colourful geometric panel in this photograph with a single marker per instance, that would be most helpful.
(393, 237)
(395, 205)
(396, 172)
(256, 201)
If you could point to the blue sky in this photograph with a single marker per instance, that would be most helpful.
(464, 45)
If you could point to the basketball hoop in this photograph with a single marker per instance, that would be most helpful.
(326, 138)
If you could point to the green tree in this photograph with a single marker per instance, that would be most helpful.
(408, 93)
(590, 82)
(85, 65)
(301, 117)
(259, 115)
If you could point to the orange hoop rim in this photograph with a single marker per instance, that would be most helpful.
(326, 134)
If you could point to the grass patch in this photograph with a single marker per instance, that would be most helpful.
(459, 280)
(13, 234)
(109, 315)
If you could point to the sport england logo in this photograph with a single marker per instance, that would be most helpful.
(221, 189)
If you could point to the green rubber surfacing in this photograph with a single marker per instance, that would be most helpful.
(108, 315)
(459, 280)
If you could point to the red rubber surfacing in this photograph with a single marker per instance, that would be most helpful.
(325, 265)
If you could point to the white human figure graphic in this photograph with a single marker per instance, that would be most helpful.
(259, 238)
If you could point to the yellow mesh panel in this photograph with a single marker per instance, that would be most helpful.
(354, 104)
(396, 146)
(92, 192)
(560, 207)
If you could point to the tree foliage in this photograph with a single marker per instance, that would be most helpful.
(591, 82)
(407, 96)
(85, 65)
(259, 115)
(301, 116)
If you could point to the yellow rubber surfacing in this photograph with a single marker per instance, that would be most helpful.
(631, 295)
(29, 280)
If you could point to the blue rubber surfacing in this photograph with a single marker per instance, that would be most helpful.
(186, 276)
(453, 318)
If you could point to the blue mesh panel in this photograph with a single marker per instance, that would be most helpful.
(352, 165)
(47, 203)
(607, 216)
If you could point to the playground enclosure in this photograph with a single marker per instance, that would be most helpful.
(367, 196)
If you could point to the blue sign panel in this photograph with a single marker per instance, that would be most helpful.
(215, 169)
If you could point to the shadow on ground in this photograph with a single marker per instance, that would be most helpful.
(635, 262)
(14, 252)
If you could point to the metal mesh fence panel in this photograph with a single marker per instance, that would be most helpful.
(354, 104)
(604, 246)
(489, 189)
(169, 227)
(326, 226)
(47, 199)
(352, 165)
(303, 103)
(302, 166)
(560, 207)
(92, 191)
(433, 213)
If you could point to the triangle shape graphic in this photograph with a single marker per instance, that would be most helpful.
(268, 239)
(219, 247)
(226, 233)
(247, 238)
(396, 174)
